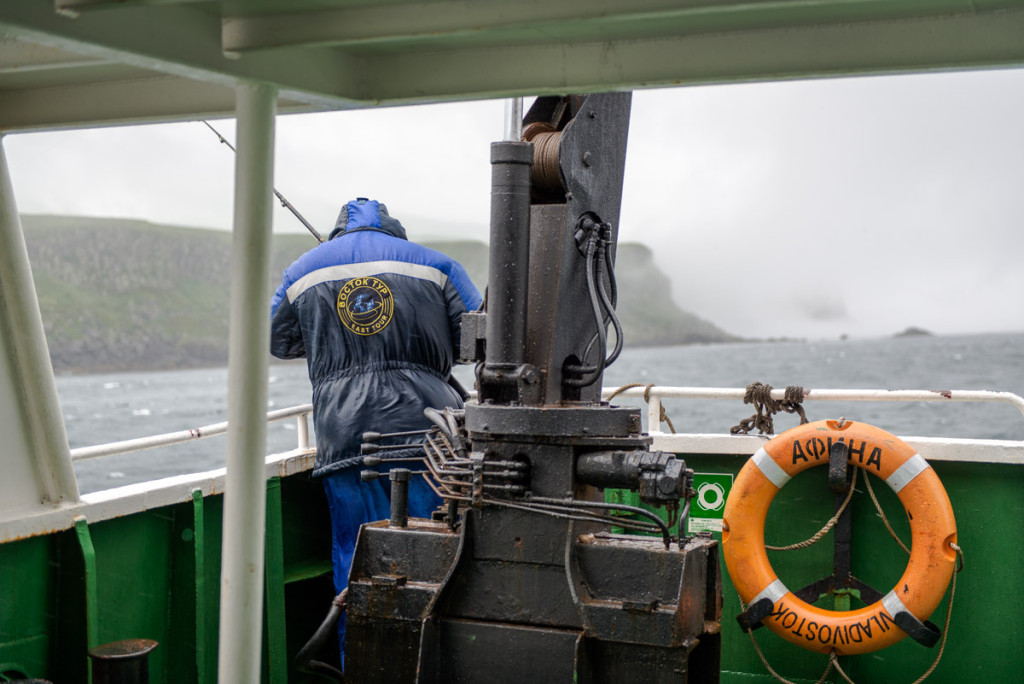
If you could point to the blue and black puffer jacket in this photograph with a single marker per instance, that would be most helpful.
(377, 318)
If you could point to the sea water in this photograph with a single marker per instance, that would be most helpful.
(111, 407)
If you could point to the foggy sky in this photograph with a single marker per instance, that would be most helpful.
(857, 206)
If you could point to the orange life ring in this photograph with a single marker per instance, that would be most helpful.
(932, 528)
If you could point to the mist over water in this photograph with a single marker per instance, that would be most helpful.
(111, 407)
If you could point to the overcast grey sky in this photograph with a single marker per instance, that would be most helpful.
(815, 208)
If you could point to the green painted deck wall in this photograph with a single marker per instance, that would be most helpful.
(984, 641)
(156, 576)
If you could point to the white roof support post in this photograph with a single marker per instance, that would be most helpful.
(513, 119)
(34, 454)
(241, 584)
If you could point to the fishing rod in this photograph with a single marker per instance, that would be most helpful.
(452, 381)
(284, 203)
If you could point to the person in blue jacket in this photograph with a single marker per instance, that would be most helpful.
(377, 318)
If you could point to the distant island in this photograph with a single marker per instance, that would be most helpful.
(915, 332)
(119, 294)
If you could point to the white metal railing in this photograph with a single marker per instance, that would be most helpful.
(654, 400)
(934, 449)
(300, 413)
(656, 394)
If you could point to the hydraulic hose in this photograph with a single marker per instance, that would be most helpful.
(609, 303)
(304, 660)
(598, 264)
(594, 372)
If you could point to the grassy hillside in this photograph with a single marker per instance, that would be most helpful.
(122, 294)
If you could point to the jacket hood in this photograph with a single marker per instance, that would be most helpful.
(366, 214)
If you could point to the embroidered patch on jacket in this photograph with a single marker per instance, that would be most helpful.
(365, 305)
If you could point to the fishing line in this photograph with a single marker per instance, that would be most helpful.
(284, 203)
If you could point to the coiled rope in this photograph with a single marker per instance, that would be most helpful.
(827, 527)
(765, 407)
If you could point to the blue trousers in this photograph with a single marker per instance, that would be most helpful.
(352, 503)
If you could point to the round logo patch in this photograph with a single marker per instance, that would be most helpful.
(365, 305)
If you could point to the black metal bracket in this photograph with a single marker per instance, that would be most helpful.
(757, 611)
(473, 337)
(815, 590)
(924, 633)
(838, 481)
(512, 383)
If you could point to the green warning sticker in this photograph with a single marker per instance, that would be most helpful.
(707, 506)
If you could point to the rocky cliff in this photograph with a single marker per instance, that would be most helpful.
(119, 294)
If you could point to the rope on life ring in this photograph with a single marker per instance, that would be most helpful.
(932, 525)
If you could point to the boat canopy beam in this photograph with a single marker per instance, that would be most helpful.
(241, 598)
(96, 62)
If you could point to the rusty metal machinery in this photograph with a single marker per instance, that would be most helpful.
(518, 578)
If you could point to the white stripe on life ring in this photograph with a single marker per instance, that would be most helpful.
(911, 468)
(770, 469)
(774, 591)
(891, 602)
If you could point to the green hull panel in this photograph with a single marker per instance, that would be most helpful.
(983, 645)
(155, 575)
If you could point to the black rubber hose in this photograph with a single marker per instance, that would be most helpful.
(574, 503)
(438, 419)
(684, 519)
(455, 434)
(609, 305)
(611, 279)
(595, 304)
(304, 660)
(321, 668)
